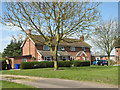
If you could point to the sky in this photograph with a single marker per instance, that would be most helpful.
(108, 10)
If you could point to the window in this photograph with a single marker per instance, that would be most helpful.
(38, 58)
(24, 60)
(61, 48)
(87, 58)
(83, 48)
(72, 58)
(72, 48)
(83, 58)
(58, 58)
(97, 58)
(64, 58)
(48, 58)
(45, 47)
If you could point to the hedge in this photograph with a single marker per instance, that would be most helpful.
(48, 64)
(4, 64)
(78, 63)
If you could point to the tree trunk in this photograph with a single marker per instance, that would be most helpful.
(108, 59)
(55, 58)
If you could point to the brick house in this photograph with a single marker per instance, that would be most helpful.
(32, 50)
(102, 57)
(117, 52)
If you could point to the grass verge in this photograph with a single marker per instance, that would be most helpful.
(102, 74)
(7, 84)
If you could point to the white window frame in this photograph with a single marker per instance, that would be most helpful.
(38, 58)
(58, 58)
(24, 59)
(72, 48)
(47, 57)
(72, 58)
(83, 58)
(44, 47)
(97, 58)
(83, 48)
(61, 48)
(66, 57)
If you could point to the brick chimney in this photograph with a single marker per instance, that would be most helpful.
(28, 31)
(82, 38)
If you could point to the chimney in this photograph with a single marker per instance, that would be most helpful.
(82, 38)
(28, 31)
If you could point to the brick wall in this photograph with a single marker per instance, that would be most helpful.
(117, 54)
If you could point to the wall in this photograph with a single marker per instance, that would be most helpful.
(117, 54)
(29, 48)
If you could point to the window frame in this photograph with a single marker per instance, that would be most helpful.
(24, 59)
(47, 48)
(47, 58)
(61, 48)
(71, 48)
(66, 57)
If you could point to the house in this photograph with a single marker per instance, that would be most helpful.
(32, 50)
(102, 57)
(117, 52)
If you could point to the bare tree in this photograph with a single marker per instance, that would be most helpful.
(106, 36)
(60, 19)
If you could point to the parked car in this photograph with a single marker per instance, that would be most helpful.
(102, 62)
(95, 62)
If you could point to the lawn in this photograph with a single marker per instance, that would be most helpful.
(7, 84)
(102, 74)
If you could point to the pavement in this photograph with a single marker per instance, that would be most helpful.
(39, 82)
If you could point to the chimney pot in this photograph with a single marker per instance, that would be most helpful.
(82, 38)
(28, 31)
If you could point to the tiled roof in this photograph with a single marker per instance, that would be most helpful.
(69, 42)
(48, 53)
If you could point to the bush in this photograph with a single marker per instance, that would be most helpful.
(50, 64)
(30, 65)
(26, 65)
(4, 64)
(64, 63)
(112, 62)
(78, 63)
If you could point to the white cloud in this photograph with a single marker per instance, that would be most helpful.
(9, 28)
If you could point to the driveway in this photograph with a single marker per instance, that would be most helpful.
(39, 82)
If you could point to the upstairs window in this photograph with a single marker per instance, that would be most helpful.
(83, 48)
(72, 48)
(61, 48)
(45, 47)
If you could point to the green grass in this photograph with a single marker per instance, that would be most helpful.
(7, 84)
(102, 74)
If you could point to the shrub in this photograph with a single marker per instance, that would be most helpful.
(30, 65)
(4, 64)
(64, 63)
(78, 63)
(26, 65)
(112, 62)
(48, 64)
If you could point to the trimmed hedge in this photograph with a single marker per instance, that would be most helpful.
(64, 63)
(30, 65)
(78, 63)
(50, 64)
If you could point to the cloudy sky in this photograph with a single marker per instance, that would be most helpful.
(109, 10)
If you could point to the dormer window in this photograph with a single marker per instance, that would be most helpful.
(45, 47)
(72, 48)
(61, 48)
(83, 48)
